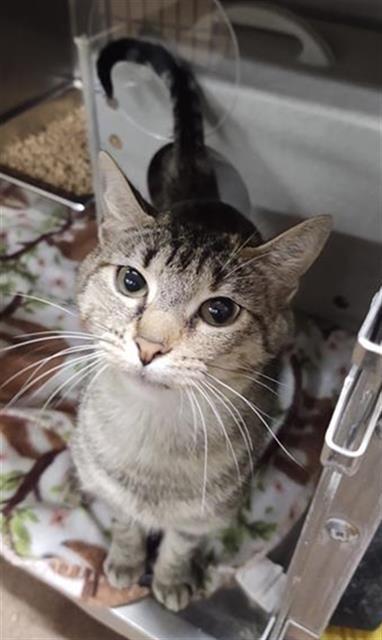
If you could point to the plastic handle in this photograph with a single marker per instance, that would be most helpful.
(365, 330)
(345, 451)
(367, 353)
(314, 50)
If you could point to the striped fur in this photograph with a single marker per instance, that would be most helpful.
(170, 446)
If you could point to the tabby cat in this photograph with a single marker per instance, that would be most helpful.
(189, 307)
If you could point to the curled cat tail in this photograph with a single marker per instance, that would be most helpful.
(182, 170)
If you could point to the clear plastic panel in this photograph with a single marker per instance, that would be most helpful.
(196, 30)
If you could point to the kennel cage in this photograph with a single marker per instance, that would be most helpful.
(300, 123)
(292, 133)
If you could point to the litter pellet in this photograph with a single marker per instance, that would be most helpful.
(57, 155)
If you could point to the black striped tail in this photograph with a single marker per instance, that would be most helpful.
(185, 168)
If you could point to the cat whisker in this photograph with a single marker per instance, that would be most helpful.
(67, 392)
(245, 264)
(248, 371)
(64, 334)
(252, 378)
(205, 466)
(37, 340)
(29, 296)
(221, 423)
(260, 384)
(58, 332)
(97, 374)
(234, 252)
(78, 377)
(264, 413)
(244, 434)
(43, 300)
(180, 412)
(76, 382)
(43, 361)
(34, 380)
(192, 405)
(40, 364)
(266, 377)
(257, 412)
(228, 402)
(58, 370)
(239, 247)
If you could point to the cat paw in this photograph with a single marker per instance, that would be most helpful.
(120, 574)
(173, 596)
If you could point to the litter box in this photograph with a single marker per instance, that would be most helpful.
(64, 107)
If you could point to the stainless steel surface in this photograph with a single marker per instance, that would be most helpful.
(29, 185)
(36, 50)
(347, 507)
(228, 615)
(31, 121)
(146, 620)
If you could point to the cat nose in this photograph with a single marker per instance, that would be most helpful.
(149, 350)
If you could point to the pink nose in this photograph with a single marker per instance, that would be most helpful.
(149, 350)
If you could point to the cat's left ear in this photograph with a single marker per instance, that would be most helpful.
(120, 207)
(288, 256)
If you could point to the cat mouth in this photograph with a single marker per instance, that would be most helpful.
(143, 378)
(147, 381)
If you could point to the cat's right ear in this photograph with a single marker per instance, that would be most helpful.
(120, 208)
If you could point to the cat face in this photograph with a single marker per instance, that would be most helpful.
(190, 292)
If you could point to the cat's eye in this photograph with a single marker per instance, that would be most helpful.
(131, 283)
(219, 311)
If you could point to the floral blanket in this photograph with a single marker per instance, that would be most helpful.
(46, 526)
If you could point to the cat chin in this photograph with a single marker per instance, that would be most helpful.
(149, 387)
(153, 385)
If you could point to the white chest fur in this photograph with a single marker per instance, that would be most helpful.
(145, 455)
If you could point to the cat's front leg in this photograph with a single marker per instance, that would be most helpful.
(174, 579)
(125, 562)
